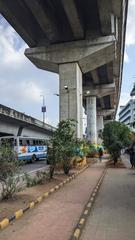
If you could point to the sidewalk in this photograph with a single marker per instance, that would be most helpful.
(57, 216)
(113, 214)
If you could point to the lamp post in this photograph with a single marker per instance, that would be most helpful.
(43, 109)
(67, 89)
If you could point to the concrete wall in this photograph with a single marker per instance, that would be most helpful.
(12, 129)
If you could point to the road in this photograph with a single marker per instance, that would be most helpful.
(32, 167)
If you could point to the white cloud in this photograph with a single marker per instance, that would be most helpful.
(126, 57)
(124, 98)
(130, 29)
(21, 83)
(130, 33)
(8, 52)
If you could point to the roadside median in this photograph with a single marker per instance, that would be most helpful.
(19, 213)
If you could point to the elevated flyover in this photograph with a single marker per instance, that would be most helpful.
(83, 41)
(16, 123)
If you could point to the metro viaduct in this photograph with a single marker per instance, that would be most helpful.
(83, 41)
(16, 123)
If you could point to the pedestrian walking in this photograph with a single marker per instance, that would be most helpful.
(100, 153)
(131, 151)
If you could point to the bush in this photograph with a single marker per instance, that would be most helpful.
(116, 136)
(92, 150)
(38, 179)
(62, 146)
(9, 171)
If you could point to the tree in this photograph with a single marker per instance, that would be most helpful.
(62, 146)
(9, 171)
(116, 136)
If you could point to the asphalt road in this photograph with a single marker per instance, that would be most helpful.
(31, 167)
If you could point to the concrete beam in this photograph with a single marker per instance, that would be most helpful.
(16, 24)
(95, 76)
(109, 67)
(98, 58)
(99, 90)
(73, 18)
(117, 6)
(105, 112)
(102, 103)
(89, 54)
(43, 17)
(107, 19)
(112, 100)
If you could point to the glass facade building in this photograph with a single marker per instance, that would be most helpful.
(127, 113)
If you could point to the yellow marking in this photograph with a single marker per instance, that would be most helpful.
(89, 205)
(91, 199)
(77, 233)
(93, 194)
(86, 212)
(4, 223)
(52, 190)
(39, 199)
(82, 221)
(18, 214)
(31, 205)
(60, 184)
(46, 194)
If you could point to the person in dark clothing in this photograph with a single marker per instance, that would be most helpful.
(100, 153)
(131, 151)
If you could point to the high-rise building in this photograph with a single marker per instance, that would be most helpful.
(127, 112)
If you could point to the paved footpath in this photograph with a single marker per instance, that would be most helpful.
(56, 217)
(113, 214)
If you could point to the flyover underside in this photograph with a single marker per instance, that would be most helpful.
(89, 34)
(12, 126)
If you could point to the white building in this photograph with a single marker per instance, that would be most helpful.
(127, 112)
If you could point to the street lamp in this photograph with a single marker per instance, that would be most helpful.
(43, 109)
(67, 89)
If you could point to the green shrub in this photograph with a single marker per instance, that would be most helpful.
(62, 146)
(38, 179)
(116, 136)
(9, 171)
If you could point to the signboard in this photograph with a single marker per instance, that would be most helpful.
(43, 109)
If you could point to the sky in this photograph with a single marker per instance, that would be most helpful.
(129, 58)
(21, 83)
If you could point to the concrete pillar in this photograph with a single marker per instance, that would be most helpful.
(100, 126)
(71, 98)
(91, 119)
